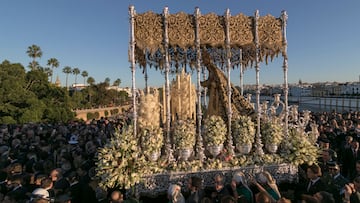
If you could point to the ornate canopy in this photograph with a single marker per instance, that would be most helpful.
(149, 29)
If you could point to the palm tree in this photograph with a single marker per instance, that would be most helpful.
(48, 71)
(67, 70)
(84, 74)
(53, 63)
(34, 65)
(107, 82)
(117, 82)
(90, 81)
(34, 52)
(76, 71)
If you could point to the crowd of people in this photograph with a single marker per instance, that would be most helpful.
(55, 163)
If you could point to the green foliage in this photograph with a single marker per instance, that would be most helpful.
(106, 113)
(96, 115)
(90, 116)
(114, 111)
(29, 97)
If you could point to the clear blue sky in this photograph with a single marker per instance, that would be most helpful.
(93, 35)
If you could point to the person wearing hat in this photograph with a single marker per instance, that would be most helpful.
(40, 193)
(337, 182)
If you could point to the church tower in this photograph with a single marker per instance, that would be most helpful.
(57, 82)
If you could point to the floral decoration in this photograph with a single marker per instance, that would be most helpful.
(151, 140)
(243, 130)
(184, 134)
(119, 162)
(272, 132)
(214, 130)
(300, 149)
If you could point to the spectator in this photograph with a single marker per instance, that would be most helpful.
(240, 188)
(174, 194)
(219, 188)
(196, 190)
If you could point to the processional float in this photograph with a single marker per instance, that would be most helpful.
(161, 40)
(169, 42)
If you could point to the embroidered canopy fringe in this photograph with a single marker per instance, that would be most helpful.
(149, 37)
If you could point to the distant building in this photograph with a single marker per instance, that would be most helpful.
(351, 88)
(303, 90)
(78, 87)
(128, 90)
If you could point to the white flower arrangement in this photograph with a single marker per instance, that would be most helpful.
(300, 150)
(243, 130)
(214, 130)
(184, 134)
(119, 162)
(272, 132)
(151, 140)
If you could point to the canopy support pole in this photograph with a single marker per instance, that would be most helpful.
(133, 67)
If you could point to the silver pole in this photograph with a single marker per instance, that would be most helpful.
(228, 65)
(167, 85)
(241, 75)
(284, 18)
(259, 144)
(204, 88)
(146, 80)
(133, 67)
(199, 147)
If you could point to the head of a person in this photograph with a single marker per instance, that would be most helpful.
(174, 192)
(46, 183)
(313, 171)
(194, 183)
(228, 199)
(334, 168)
(239, 178)
(284, 200)
(56, 174)
(324, 143)
(356, 182)
(348, 139)
(265, 178)
(324, 197)
(357, 167)
(262, 197)
(63, 198)
(355, 144)
(40, 193)
(219, 181)
(116, 196)
(326, 155)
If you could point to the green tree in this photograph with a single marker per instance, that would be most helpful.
(76, 72)
(117, 82)
(107, 82)
(34, 66)
(53, 63)
(29, 97)
(34, 52)
(90, 81)
(48, 71)
(67, 70)
(84, 74)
